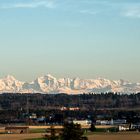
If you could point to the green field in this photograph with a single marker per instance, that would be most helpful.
(37, 130)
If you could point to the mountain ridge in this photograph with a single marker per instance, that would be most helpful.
(49, 84)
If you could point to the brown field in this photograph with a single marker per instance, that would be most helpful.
(19, 136)
(95, 136)
(100, 136)
(116, 136)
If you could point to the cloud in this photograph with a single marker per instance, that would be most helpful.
(132, 12)
(90, 7)
(31, 4)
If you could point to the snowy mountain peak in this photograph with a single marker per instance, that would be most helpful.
(10, 77)
(50, 84)
(49, 76)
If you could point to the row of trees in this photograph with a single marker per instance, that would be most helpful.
(84, 101)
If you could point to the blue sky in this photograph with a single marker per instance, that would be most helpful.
(70, 38)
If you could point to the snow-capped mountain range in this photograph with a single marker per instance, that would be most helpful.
(50, 84)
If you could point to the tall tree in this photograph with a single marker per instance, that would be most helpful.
(72, 132)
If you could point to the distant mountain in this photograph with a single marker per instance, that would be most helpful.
(50, 84)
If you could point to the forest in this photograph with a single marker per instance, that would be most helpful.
(108, 105)
(91, 101)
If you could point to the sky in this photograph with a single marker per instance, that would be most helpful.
(70, 38)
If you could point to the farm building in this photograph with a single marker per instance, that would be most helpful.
(17, 129)
(124, 127)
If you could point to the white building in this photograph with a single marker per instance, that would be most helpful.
(82, 122)
(123, 127)
(103, 122)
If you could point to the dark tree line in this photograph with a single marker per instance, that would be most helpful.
(83, 101)
(109, 105)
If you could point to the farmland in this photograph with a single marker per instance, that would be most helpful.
(115, 136)
(94, 136)
(19, 136)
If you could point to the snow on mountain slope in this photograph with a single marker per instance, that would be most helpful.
(10, 84)
(50, 84)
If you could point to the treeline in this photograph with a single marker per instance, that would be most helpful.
(56, 101)
(16, 108)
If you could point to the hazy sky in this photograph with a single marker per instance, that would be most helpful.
(69, 38)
